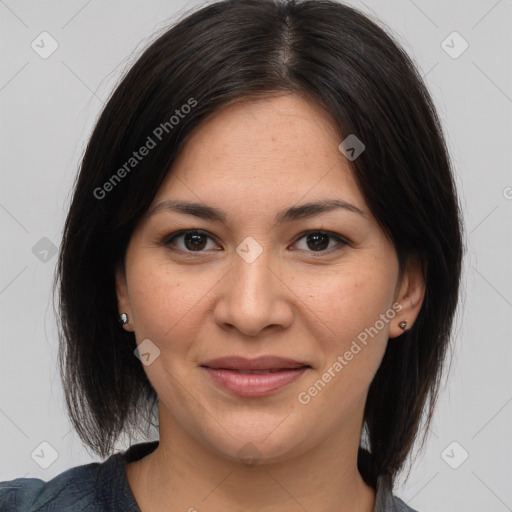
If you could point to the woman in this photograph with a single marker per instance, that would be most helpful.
(265, 243)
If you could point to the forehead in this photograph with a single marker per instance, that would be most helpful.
(268, 152)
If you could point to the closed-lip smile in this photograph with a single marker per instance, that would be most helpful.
(257, 377)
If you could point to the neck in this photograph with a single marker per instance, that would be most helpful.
(183, 474)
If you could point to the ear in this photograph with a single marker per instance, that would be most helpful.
(409, 294)
(123, 300)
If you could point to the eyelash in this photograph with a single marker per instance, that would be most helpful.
(168, 240)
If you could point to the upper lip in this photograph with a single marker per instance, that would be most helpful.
(259, 363)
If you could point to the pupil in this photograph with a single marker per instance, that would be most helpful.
(316, 237)
(193, 241)
(194, 238)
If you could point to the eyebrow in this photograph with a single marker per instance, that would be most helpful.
(302, 211)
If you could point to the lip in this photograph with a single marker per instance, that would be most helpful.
(254, 384)
(259, 363)
(269, 374)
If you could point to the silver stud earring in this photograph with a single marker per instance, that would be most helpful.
(123, 318)
(403, 325)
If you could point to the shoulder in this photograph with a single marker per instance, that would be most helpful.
(94, 487)
(73, 490)
(400, 506)
(385, 500)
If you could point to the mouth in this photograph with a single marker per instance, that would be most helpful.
(258, 372)
(254, 378)
(263, 364)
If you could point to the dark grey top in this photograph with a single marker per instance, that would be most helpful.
(103, 487)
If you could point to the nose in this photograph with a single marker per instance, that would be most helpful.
(253, 297)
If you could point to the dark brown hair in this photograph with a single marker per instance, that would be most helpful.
(226, 52)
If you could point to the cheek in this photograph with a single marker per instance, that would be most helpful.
(349, 300)
(351, 338)
(164, 303)
(352, 311)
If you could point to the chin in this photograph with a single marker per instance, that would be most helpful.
(268, 446)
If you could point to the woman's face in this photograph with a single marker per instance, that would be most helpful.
(258, 282)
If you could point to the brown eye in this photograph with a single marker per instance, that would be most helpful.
(196, 241)
(192, 240)
(319, 241)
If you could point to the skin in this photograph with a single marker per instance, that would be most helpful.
(252, 160)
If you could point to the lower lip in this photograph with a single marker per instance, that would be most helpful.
(254, 384)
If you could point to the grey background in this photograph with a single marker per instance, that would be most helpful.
(48, 109)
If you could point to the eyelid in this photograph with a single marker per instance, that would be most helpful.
(168, 239)
(341, 241)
